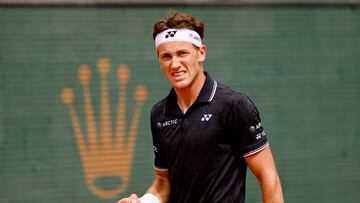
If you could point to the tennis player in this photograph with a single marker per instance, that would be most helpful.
(205, 135)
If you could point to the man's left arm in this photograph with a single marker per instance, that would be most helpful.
(263, 167)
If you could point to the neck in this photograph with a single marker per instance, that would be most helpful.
(187, 96)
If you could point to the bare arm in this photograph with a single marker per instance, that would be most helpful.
(263, 167)
(160, 188)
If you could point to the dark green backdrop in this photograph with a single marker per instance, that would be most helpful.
(299, 65)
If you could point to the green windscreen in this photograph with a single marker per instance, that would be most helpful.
(77, 86)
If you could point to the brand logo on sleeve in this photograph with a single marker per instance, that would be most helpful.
(253, 129)
(257, 131)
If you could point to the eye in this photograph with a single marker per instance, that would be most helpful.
(165, 57)
(183, 53)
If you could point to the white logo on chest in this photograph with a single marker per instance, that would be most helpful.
(167, 123)
(206, 117)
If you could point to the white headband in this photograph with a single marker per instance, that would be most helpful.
(171, 35)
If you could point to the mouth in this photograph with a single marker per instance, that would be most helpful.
(178, 75)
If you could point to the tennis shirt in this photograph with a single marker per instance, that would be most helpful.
(203, 150)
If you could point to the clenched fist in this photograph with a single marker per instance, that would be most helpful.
(132, 199)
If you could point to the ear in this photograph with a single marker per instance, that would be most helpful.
(202, 53)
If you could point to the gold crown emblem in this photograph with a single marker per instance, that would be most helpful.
(105, 153)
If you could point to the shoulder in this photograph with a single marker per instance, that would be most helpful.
(158, 107)
(236, 105)
(232, 97)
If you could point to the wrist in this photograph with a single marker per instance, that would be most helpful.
(149, 198)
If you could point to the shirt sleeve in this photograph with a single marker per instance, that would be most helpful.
(160, 162)
(247, 133)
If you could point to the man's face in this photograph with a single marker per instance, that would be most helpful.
(181, 62)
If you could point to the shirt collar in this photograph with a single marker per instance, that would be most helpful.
(206, 95)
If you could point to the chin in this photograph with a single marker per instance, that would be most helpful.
(180, 85)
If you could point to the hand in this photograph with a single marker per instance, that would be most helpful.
(132, 199)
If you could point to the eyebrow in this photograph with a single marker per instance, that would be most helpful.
(177, 51)
(164, 53)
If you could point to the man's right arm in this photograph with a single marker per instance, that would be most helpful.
(160, 189)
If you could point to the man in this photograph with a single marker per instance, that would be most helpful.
(205, 135)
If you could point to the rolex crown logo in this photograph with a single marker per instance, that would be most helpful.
(105, 153)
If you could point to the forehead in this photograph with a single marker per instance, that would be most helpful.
(170, 47)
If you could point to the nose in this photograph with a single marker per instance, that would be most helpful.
(175, 63)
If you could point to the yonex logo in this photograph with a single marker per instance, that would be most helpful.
(260, 135)
(206, 117)
(170, 34)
